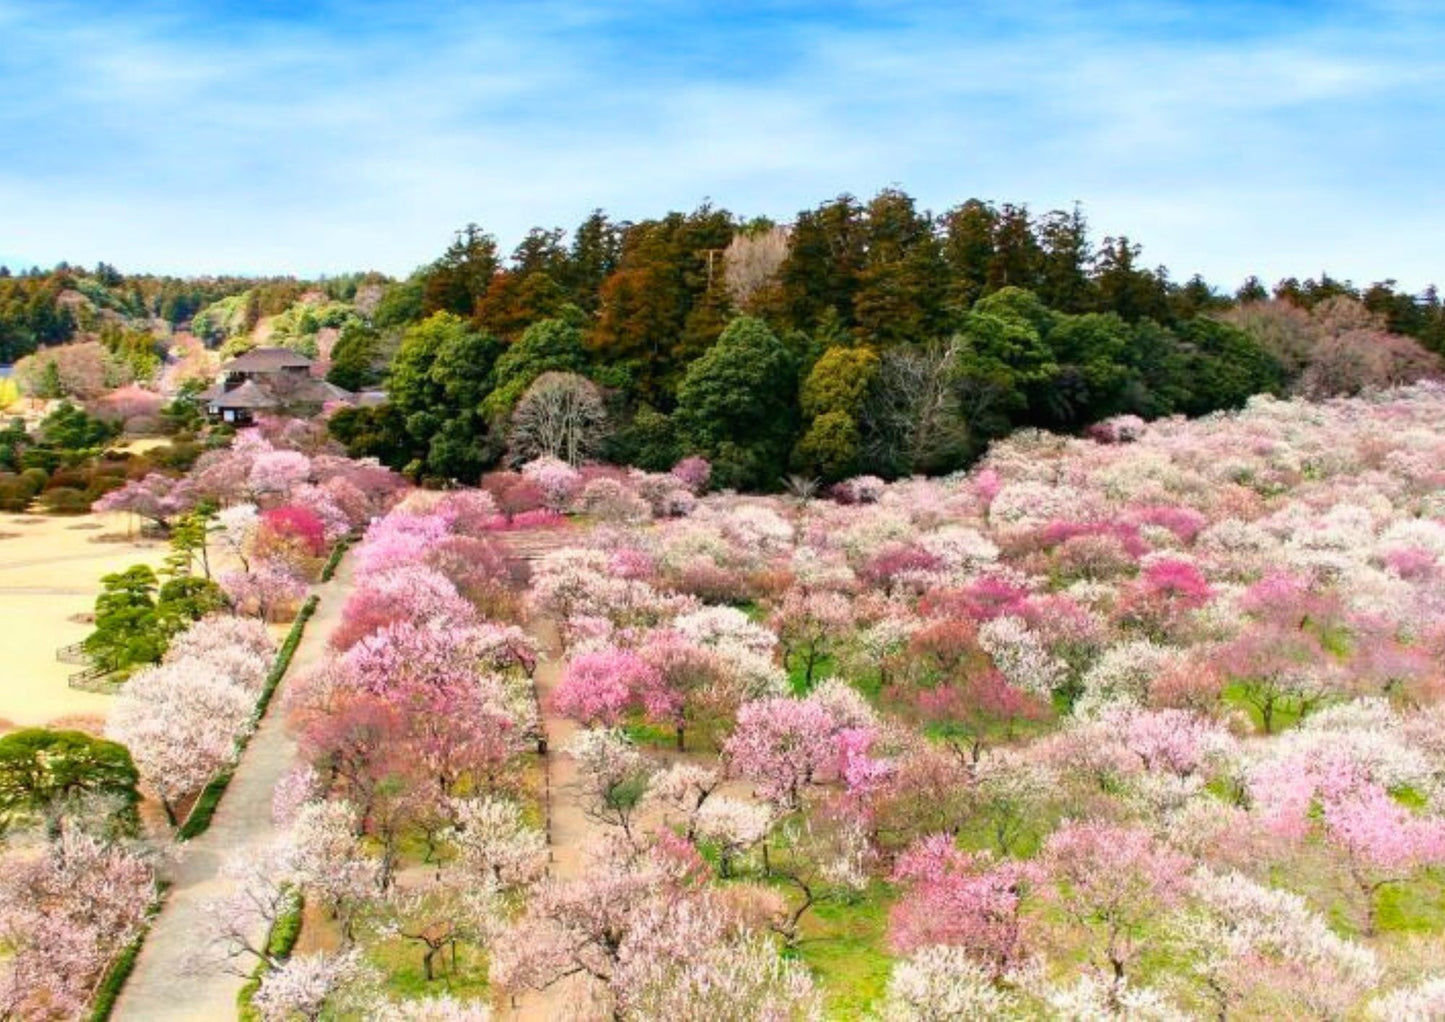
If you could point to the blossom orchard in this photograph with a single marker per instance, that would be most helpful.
(1168, 696)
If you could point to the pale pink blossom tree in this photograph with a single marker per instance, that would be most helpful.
(65, 909)
(181, 721)
(306, 986)
(270, 590)
(1113, 881)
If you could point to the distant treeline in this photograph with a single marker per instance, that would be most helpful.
(865, 336)
(45, 307)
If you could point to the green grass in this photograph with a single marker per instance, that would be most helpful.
(824, 667)
(1417, 906)
(279, 942)
(400, 963)
(844, 944)
(1286, 714)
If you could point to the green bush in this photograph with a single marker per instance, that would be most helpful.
(100, 485)
(280, 942)
(65, 501)
(35, 478)
(41, 458)
(179, 455)
(71, 478)
(14, 494)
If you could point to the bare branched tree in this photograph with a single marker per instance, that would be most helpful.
(911, 419)
(561, 415)
(752, 261)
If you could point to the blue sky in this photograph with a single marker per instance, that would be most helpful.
(1228, 137)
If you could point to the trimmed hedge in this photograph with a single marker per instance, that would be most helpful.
(283, 658)
(199, 818)
(280, 942)
(114, 982)
(337, 552)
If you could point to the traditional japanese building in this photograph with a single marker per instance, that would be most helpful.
(268, 380)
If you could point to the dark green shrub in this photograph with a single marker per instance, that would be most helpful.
(41, 458)
(65, 501)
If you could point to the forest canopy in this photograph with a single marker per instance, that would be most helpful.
(862, 337)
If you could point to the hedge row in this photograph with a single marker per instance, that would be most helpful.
(113, 982)
(337, 552)
(280, 942)
(199, 818)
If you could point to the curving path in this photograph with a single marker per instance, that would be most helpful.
(160, 990)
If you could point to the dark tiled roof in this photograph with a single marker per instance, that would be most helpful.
(266, 360)
(247, 395)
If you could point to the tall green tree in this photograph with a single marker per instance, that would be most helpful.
(1002, 359)
(736, 406)
(443, 372)
(825, 256)
(902, 284)
(1125, 287)
(551, 345)
(596, 249)
(355, 356)
(457, 281)
(1064, 262)
(1017, 258)
(968, 251)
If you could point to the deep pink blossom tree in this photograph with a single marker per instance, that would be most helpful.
(299, 525)
(962, 900)
(411, 593)
(598, 687)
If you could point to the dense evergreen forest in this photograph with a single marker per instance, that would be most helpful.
(864, 337)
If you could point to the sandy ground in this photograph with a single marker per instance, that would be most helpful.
(50, 570)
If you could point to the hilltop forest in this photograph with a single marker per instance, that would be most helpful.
(863, 337)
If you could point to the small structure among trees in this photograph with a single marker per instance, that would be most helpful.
(268, 380)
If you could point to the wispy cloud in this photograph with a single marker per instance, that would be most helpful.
(1229, 137)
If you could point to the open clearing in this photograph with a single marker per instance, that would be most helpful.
(50, 571)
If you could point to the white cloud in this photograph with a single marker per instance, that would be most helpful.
(154, 140)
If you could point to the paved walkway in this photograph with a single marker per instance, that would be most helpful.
(160, 990)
